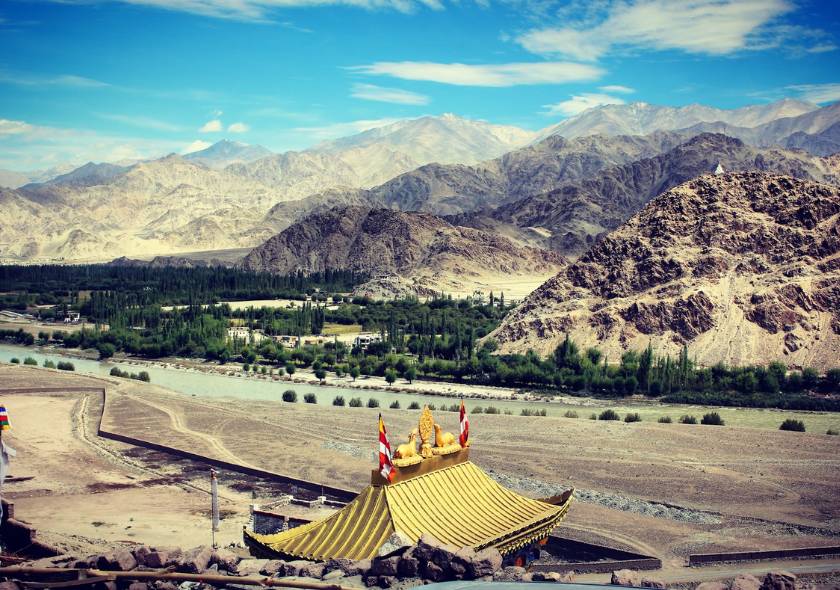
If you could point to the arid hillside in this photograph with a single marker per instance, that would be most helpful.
(744, 268)
(401, 252)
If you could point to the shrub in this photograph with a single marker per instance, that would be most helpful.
(593, 416)
(529, 412)
(15, 360)
(633, 417)
(686, 419)
(793, 425)
(290, 395)
(310, 398)
(395, 405)
(432, 407)
(454, 408)
(66, 366)
(508, 412)
(373, 403)
(414, 406)
(492, 410)
(570, 414)
(665, 420)
(30, 361)
(116, 372)
(390, 376)
(49, 364)
(144, 376)
(831, 432)
(246, 367)
(609, 414)
(339, 400)
(477, 410)
(712, 419)
(356, 402)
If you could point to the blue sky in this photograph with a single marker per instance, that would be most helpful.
(108, 79)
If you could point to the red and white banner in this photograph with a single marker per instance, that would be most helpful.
(465, 426)
(386, 466)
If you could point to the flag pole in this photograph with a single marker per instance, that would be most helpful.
(214, 506)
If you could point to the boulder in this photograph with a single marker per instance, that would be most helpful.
(273, 567)
(386, 581)
(164, 585)
(432, 572)
(358, 568)
(138, 586)
(626, 578)
(195, 560)
(385, 566)
(397, 542)
(511, 573)
(293, 568)
(9, 585)
(486, 563)
(311, 570)
(161, 557)
(779, 580)
(226, 559)
(745, 582)
(140, 554)
(340, 564)
(653, 583)
(408, 567)
(124, 561)
(711, 586)
(251, 567)
(462, 564)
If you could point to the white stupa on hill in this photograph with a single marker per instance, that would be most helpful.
(719, 169)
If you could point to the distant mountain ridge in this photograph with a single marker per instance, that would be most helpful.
(640, 118)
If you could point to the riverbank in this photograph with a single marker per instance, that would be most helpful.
(210, 380)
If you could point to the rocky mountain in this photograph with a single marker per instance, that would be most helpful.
(453, 189)
(445, 139)
(640, 118)
(226, 152)
(823, 143)
(571, 217)
(743, 268)
(160, 206)
(402, 252)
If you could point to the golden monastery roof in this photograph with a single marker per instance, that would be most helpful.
(458, 504)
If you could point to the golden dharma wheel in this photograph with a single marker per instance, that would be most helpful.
(427, 431)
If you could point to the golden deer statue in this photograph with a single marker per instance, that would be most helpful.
(443, 439)
(409, 449)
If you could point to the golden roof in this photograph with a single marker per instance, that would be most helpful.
(457, 504)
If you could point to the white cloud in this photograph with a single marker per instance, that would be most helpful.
(211, 126)
(9, 127)
(712, 27)
(510, 74)
(817, 93)
(238, 128)
(142, 122)
(617, 89)
(392, 95)
(334, 130)
(196, 146)
(260, 10)
(67, 80)
(579, 103)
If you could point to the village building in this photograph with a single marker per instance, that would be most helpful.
(436, 490)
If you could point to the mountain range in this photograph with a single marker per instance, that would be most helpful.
(559, 193)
